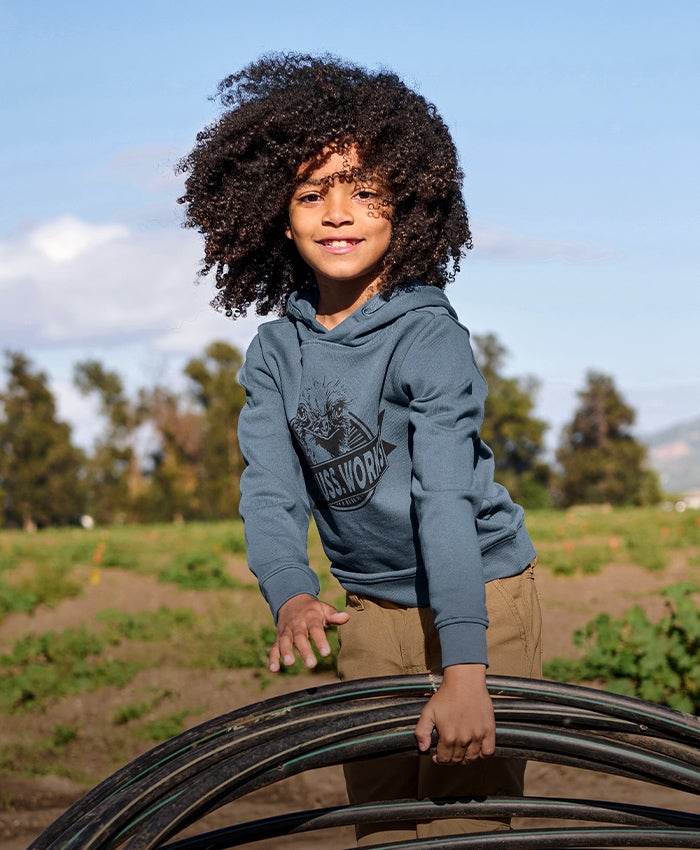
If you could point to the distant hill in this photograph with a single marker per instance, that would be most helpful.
(675, 454)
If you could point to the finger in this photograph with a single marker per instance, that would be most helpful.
(449, 754)
(488, 745)
(274, 658)
(301, 642)
(286, 649)
(337, 618)
(318, 636)
(423, 732)
(473, 751)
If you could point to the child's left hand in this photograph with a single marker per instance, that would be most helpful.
(462, 713)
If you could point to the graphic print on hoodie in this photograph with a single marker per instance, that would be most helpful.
(346, 458)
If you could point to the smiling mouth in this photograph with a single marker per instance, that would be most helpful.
(339, 243)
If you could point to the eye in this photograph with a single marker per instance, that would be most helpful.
(366, 194)
(309, 198)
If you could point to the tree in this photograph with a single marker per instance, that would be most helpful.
(40, 469)
(510, 429)
(600, 459)
(113, 472)
(173, 472)
(214, 383)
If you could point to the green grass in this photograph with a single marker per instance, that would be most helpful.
(162, 728)
(57, 664)
(13, 600)
(41, 668)
(146, 625)
(41, 568)
(38, 758)
(586, 539)
(198, 571)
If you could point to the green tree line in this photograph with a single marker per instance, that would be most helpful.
(166, 455)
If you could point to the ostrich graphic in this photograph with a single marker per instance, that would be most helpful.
(322, 424)
(346, 457)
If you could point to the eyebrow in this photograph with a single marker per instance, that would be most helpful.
(343, 176)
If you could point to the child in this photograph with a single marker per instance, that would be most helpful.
(332, 195)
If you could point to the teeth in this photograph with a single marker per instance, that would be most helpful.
(338, 243)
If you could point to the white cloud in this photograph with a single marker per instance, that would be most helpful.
(70, 282)
(65, 239)
(494, 242)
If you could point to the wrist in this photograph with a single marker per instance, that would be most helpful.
(465, 673)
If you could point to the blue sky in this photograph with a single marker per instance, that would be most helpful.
(577, 126)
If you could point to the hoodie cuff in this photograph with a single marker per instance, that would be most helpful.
(287, 582)
(463, 643)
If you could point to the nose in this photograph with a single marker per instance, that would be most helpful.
(337, 209)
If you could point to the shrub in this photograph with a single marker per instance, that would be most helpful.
(658, 662)
(198, 571)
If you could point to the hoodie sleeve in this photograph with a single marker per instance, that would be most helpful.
(274, 502)
(451, 469)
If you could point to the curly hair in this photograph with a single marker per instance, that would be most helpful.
(283, 111)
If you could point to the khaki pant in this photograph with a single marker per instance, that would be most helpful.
(385, 639)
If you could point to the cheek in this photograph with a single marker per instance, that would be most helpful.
(387, 233)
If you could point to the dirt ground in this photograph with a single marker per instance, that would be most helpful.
(27, 805)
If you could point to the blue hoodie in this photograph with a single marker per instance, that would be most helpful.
(374, 426)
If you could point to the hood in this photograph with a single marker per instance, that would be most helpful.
(372, 315)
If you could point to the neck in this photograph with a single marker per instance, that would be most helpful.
(337, 302)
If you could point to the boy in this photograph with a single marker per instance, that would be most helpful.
(333, 194)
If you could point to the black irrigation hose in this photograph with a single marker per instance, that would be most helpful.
(179, 781)
(185, 810)
(655, 719)
(151, 777)
(555, 838)
(411, 810)
(262, 764)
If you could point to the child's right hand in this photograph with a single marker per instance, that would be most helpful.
(300, 620)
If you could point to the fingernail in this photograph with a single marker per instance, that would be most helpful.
(326, 650)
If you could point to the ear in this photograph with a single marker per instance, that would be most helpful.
(288, 232)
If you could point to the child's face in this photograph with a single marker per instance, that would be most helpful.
(340, 224)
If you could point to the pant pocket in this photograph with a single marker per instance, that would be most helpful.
(515, 625)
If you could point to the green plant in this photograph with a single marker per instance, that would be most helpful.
(56, 664)
(63, 735)
(13, 600)
(50, 582)
(38, 758)
(569, 560)
(135, 710)
(163, 728)
(145, 625)
(658, 662)
(198, 571)
(647, 550)
(235, 543)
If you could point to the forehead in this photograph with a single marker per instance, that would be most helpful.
(330, 165)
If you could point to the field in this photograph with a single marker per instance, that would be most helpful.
(114, 639)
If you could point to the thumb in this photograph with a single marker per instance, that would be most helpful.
(424, 731)
(336, 617)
